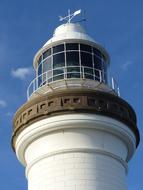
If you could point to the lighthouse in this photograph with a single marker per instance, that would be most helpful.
(74, 132)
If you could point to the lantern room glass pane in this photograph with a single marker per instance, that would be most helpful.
(97, 52)
(98, 63)
(40, 69)
(87, 48)
(46, 53)
(47, 64)
(72, 58)
(40, 59)
(39, 75)
(98, 74)
(58, 60)
(58, 74)
(89, 73)
(58, 48)
(72, 46)
(73, 72)
(86, 59)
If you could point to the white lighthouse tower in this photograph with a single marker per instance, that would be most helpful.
(74, 132)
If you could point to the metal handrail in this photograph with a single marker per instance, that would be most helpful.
(82, 72)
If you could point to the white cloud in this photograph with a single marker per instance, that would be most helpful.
(22, 73)
(126, 65)
(3, 103)
(9, 114)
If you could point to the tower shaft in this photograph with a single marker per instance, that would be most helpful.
(76, 153)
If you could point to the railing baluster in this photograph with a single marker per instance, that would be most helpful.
(100, 76)
(113, 85)
(118, 91)
(33, 85)
(83, 72)
(28, 93)
(65, 72)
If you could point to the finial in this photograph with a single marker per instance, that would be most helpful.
(70, 16)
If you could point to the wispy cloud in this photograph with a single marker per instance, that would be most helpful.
(126, 65)
(22, 73)
(3, 103)
(9, 114)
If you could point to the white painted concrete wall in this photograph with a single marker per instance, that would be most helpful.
(76, 151)
(83, 171)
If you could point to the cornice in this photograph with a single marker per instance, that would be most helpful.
(77, 101)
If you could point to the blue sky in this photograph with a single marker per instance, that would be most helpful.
(26, 25)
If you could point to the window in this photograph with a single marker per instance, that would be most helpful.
(40, 69)
(97, 63)
(47, 70)
(40, 59)
(72, 58)
(58, 74)
(58, 63)
(97, 52)
(98, 75)
(73, 72)
(88, 73)
(47, 65)
(72, 46)
(58, 48)
(84, 47)
(58, 71)
(46, 53)
(58, 60)
(86, 59)
(39, 73)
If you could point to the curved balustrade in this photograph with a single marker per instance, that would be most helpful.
(69, 72)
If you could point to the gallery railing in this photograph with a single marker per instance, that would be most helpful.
(70, 72)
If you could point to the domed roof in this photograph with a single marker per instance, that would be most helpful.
(69, 31)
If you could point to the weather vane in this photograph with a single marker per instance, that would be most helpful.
(70, 16)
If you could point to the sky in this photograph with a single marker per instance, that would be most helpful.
(26, 25)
